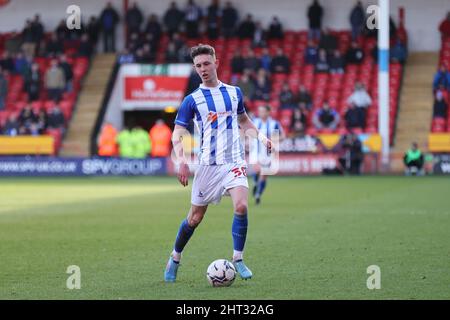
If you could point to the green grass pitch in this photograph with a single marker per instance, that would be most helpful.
(311, 238)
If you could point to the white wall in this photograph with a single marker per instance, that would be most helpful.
(422, 17)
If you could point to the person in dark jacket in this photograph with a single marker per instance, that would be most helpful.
(357, 19)
(229, 20)
(173, 18)
(32, 82)
(134, 19)
(247, 28)
(315, 14)
(275, 29)
(109, 18)
(213, 15)
(440, 106)
(280, 63)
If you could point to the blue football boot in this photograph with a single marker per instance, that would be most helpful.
(242, 269)
(170, 274)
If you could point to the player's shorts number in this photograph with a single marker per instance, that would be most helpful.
(239, 172)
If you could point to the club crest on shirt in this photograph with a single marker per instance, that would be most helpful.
(212, 116)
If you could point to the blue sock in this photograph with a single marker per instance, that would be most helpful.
(255, 178)
(184, 234)
(261, 187)
(239, 231)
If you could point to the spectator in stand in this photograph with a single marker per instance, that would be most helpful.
(213, 15)
(286, 97)
(150, 40)
(398, 52)
(139, 56)
(21, 64)
(32, 83)
(126, 57)
(54, 46)
(184, 54)
(440, 106)
(85, 49)
(11, 127)
(171, 55)
(3, 88)
(107, 146)
(109, 18)
(357, 20)
(445, 93)
(326, 118)
(7, 62)
(42, 121)
(247, 28)
(148, 56)
(322, 65)
(304, 97)
(134, 19)
(361, 99)
(311, 53)
(353, 118)
(93, 30)
(275, 29)
(55, 81)
(280, 63)
(134, 42)
(62, 32)
(337, 63)
(160, 137)
(247, 85)
(265, 59)
(444, 27)
(26, 118)
(29, 44)
(153, 27)
(237, 62)
(354, 55)
(259, 36)
(251, 62)
(328, 41)
(262, 87)
(298, 123)
(68, 73)
(173, 19)
(229, 20)
(179, 43)
(55, 119)
(192, 16)
(442, 77)
(37, 29)
(414, 160)
(315, 14)
(14, 43)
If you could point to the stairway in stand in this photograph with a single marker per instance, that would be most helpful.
(77, 139)
(416, 105)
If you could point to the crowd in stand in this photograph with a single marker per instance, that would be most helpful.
(20, 58)
(441, 81)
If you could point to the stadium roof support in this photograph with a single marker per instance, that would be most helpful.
(383, 78)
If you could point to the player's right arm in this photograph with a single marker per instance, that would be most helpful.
(177, 140)
(185, 114)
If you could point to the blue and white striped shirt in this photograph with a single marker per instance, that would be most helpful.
(215, 111)
(269, 128)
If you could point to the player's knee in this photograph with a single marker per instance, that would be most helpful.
(195, 218)
(241, 207)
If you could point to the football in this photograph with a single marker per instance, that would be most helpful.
(221, 273)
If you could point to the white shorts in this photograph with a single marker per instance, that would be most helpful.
(213, 182)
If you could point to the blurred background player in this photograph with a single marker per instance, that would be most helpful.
(272, 130)
(219, 112)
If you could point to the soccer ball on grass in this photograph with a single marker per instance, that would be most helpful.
(221, 273)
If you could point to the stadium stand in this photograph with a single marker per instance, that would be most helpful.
(441, 122)
(17, 97)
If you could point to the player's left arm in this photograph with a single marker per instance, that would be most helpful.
(250, 130)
